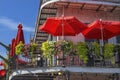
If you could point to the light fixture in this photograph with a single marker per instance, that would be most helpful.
(60, 73)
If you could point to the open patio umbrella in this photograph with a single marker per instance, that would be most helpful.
(63, 26)
(102, 30)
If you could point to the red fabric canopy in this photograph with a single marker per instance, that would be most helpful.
(63, 26)
(12, 48)
(20, 35)
(102, 30)
(2, 72)
(1, 63)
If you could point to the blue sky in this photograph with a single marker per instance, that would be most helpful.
(13, 12)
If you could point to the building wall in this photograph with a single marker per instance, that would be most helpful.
(88, 16)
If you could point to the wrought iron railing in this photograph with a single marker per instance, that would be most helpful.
(66, 61)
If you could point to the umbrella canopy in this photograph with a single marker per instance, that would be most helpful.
(20, 35)
(2, 72)
(12, 48)
(63, 26)
(1, 63)
(102, 30)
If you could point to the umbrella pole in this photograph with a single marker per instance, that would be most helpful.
(102, 43)
(63, 24)
(63, 34)
(62, 31)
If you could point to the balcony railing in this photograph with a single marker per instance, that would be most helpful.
(66, 61)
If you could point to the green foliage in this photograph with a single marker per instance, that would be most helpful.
(33, 46)
(117, 48)
(96, 47)
(48, 48)
(82, 51)
(108, 50)
(19, 48)
(66, 46)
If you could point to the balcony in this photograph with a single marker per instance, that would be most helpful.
(72, 57)
(71, 62)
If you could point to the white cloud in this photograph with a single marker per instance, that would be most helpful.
(13, 25)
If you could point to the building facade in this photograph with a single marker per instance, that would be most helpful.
(86, 11)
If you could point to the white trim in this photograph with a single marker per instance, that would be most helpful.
(48, 2)
(71, 69)
(94, 2)
(83, 1)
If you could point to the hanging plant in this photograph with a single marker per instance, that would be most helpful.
(82, 51)
(73, 49)
(108, 51)
(19, 48)
(27, 47)
(96, 48)
(48, 48)
(65, 46)
(33, 46)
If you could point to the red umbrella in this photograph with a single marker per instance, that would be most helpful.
(102, 30)
(63, 26)
(1, 63)
(2, 72)
(20, 35)
(12, 50)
